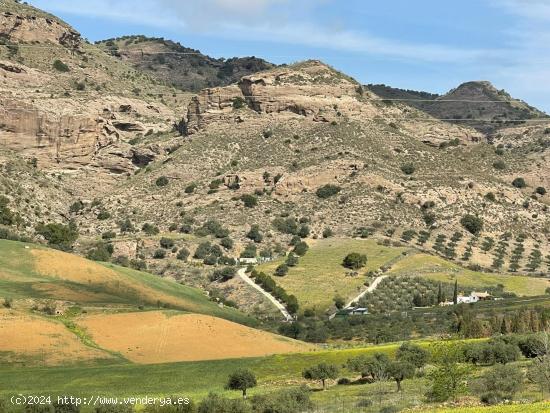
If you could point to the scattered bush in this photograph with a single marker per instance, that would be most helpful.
(472, 223)
(519, 183)
(189, 189)
(60, 66)
(166, 243)
(540, 190)
(250, 201)
(327, 191)
(327, 233)
(281, 270)
(59, 235)
(408, 168)
(161, 181)
(150, 229)
(499, 165)
(354, 261)
(159, 254)
(300, 248)
(254, 234)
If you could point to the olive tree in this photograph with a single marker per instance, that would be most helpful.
(322, 372)
(242, 379)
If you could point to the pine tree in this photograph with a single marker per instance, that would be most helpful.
(440, 295)
(455, 293)
(503, 326)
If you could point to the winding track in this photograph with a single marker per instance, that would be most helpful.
(242, 273)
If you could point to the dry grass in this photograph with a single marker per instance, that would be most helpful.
(162, 337)
(30, 340)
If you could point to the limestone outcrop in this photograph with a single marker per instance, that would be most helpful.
(310, 89)
(37, 29)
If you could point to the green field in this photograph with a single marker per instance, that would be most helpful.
(197, 379)
(515, 408)
(74, 279)
(320, 276)
(192, 378)
(438, 269)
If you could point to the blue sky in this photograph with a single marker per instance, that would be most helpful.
(431, 45)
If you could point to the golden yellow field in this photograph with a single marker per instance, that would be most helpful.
(29, 340)
(161, 337)
(107, 281)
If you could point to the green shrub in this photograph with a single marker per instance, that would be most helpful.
(183, 254)
(281, 270)
(161, 181)
(166, 243)
(250, 201)
(519, 183)
(103, 215)
(408, 168)
(227, 243)
(499, 165)
(150, 229)
(355, 261)
(7, 217)
(239, 102)
(159, 254)
(293, 400)
(101, 252)
(250, 251)
(472, 223)
(76, 207)
(327, 233)
(224, 274)
(126, 225)
(59, 235)
(108, 235)
(301, 248)
(540, 190)
(189, 189)
(254, 234)
(327, 191)
(60, 66)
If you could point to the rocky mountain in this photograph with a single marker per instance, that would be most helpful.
(69, 106)
(127, 158)
(478, 104)
(182, 67)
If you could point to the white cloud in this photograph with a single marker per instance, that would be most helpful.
(282, 21)
(531, 9)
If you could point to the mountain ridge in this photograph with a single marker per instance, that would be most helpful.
(182, 67)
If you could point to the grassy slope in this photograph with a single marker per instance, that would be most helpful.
(320, 274)
(519, 408)
(438, 269)
(19, 279)
(194, 379)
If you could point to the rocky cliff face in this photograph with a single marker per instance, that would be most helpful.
(314, 92)
(76, 138)
(311, 90)
(37, 29)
